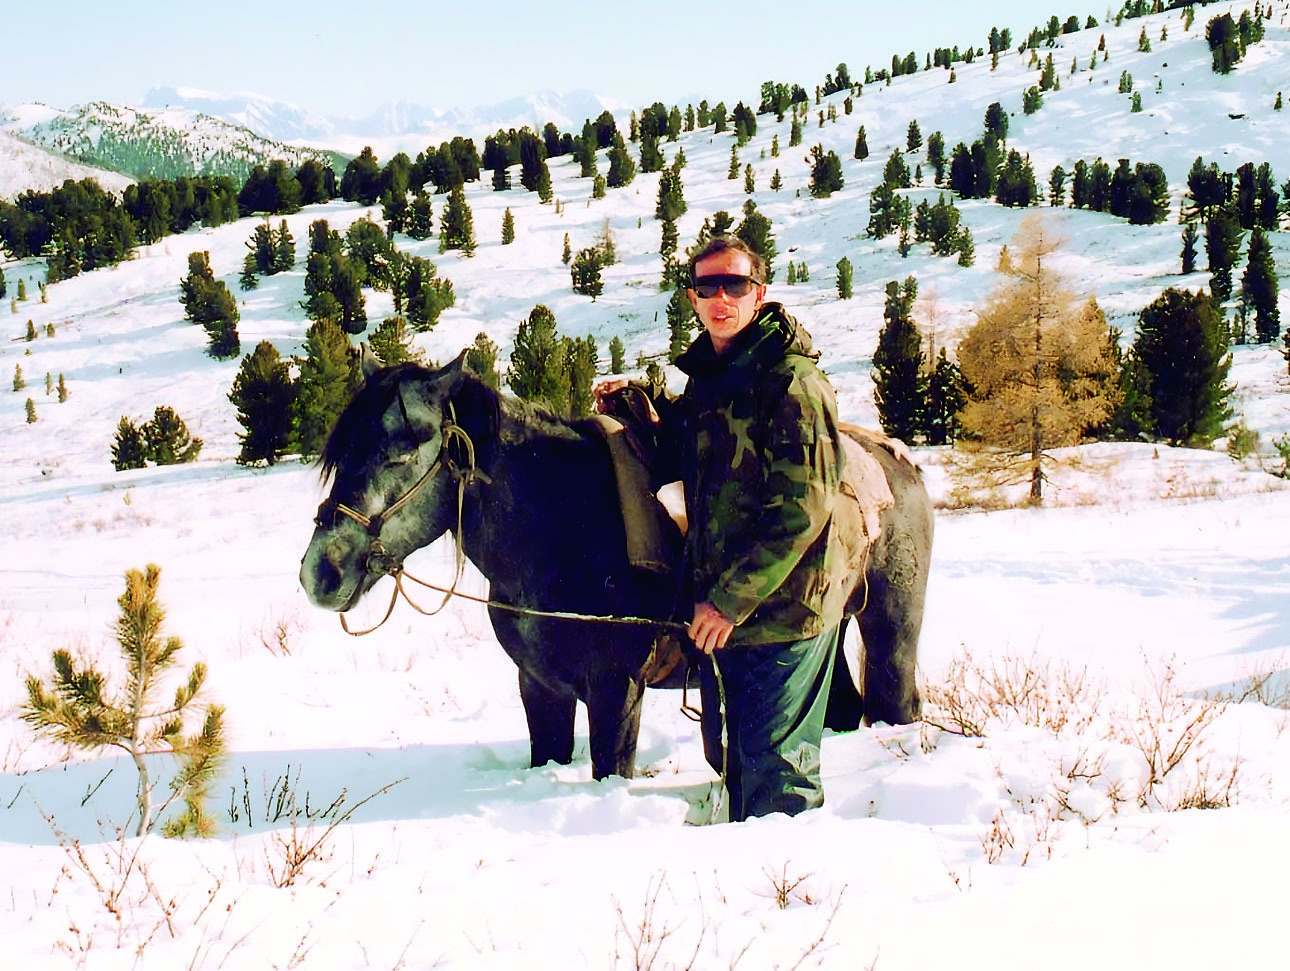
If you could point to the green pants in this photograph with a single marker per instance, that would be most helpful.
(775, 695)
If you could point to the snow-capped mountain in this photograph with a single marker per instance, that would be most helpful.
(392, 127)
(163, 143)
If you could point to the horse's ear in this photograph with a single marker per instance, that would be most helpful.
(368, 362)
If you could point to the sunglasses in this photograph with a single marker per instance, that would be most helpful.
(706, 287)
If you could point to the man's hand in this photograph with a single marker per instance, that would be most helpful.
(709, 629)
(611, 386)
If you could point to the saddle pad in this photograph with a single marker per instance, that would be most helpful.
(646, 545)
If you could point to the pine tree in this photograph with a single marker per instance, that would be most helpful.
(566, 253)
(420, 218)
(457, 227)
(1181, 343)
(845, 274)
(31, 331)
(167, 440)
(585, 273)
(1189, 237)
(538, 370)
(248, 280)
(79, 710)
(776, 183)
(481, 357)
(913, 137)
(62, 389)
(621, 167)
(617, 354)
(18, 381)
(581, 362)
(508, 227)
(284, 250)
(328, 378)
(671, 200)
(826, 173)
(1222, 245)
(31, 412)
(862, 145)
(749, 184)
(128, 449)
(899, 383)
(1038, 362)
(1259, 289)
(264, 395)
(946, 396)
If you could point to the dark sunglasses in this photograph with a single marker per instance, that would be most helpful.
(706, 287)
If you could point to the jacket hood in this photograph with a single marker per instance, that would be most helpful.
(769, 338)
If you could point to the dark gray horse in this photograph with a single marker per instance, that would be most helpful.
(533, 502)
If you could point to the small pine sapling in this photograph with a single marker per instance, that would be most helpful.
(31, 331)
(79, 710)
(31, 412)
(62, 389)
(18, 381)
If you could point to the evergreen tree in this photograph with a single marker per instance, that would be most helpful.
(1189, 237)
(946, 397)
(585, 272)
(900, 386)
(508, 227)
(328, 379)
(621, 167)
(1259, 288)
(996, 122)
(1224, 43)
(1222, 244)
(248, 280)
(264, 395)
(420, 218)
(749, 184)
(31, 412)
(581, 362)
(18, 381)
(1038, 363)
(566, 253)
(776, 183)
(755, 230)
(457, 227)
(680, 324)
(284, 250)
(391, 341)
(618, 353)
(913, 137)
(538, 370)
(128, 450)
(826, 173)
(62, 389)
(671, 200)
(481, 357)
(78, 709)
(1182, 344)
(862, 145)
(166, 438)
(845, 274)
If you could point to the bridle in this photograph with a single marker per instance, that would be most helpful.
(378, 560)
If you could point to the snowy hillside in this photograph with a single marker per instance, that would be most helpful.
(1101, 780)
(162, 144)
(25, 166)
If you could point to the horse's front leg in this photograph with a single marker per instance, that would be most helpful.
(550, 717)
(613, 721)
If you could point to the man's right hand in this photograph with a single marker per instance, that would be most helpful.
(709, 629)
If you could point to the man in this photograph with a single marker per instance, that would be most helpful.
(755, 440)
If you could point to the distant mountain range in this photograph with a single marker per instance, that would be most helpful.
(181, 131)
(395, 126)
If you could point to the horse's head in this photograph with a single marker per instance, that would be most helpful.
(396, 457)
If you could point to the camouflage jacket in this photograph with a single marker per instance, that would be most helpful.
(754, 438)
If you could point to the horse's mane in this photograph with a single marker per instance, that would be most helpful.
(358, 429)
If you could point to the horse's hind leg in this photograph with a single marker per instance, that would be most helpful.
(550, 718)
(613, 722)
(890, 625)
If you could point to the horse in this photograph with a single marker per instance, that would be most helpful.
(532, 501)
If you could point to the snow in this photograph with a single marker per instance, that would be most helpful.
(1143, 605)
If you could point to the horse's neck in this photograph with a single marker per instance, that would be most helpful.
(541, 477)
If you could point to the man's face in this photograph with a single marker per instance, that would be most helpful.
(723, 314)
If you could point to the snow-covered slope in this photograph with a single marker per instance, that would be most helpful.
(25, 166)
(1152, 586)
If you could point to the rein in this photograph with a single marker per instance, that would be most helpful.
(379, 560)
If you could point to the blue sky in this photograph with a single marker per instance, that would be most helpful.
(333, 56)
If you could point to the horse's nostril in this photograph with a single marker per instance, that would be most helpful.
(328, 575)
